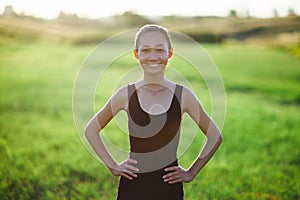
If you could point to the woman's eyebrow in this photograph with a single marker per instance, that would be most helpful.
(158, 45)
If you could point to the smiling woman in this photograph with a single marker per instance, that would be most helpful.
(41, 156)
(154, 107)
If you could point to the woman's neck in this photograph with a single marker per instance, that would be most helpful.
(154, 81)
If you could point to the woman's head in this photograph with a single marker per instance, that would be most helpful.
(153, 48)
(152, 28)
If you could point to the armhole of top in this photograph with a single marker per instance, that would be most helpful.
(130, 90)
(178, 93)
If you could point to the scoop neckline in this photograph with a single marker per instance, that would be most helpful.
(167, 110)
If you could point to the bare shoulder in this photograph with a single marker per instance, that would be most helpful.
(187, 91)
(189, 99)
(119, 100)
(121, 93)
(188, 95)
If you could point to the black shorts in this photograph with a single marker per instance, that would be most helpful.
(149, 186)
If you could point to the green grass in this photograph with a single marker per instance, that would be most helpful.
(42, 156)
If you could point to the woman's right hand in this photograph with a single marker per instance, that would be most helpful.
(125, 169)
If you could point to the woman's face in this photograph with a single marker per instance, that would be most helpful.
(153, 52)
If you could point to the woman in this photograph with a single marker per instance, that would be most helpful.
(154, 107)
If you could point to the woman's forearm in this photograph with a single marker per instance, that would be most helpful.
(97, 144)
(214, 139)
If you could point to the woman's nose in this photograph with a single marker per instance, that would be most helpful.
(152, 54)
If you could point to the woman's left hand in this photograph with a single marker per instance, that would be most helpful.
(177, 174)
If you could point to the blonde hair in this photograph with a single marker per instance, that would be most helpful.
(152, 28)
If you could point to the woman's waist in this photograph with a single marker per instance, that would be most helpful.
(152, 163)
(152, 184)
(154, 176)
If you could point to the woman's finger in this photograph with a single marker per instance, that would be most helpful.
(172, 178)
(174, 171)
(127, 171)
(168, 169)
(171, 174)
(132, 168)
(175, 181)
(176, 174)
(126, 176)
(131, 161)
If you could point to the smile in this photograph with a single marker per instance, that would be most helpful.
(153, 65)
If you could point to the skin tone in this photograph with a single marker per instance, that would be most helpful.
(153, 55)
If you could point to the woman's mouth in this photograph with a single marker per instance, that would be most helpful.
(153, 65)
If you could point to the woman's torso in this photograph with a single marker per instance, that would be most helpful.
(153, 143)
(153, 138)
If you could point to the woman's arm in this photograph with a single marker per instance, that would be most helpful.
(191, 105)
(116, 103)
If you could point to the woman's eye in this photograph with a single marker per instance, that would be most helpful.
(148, 50)
(160, 50)
(145, 50)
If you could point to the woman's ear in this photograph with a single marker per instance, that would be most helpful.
(170, 52)
(136, 53)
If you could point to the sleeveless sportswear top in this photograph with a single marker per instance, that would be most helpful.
(153, 138)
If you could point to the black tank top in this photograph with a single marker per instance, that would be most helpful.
(153, 138)
(153, 143)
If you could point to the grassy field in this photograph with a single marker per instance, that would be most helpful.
(42, 156)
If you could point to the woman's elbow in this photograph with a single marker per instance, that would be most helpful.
(88, 132)
(220, 139)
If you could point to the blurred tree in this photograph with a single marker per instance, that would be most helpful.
(170, 18)
(131, 19)
(9, 11)
(275, 13)
(291, 12)
(248, 15)
(63, 15)
(233, 13)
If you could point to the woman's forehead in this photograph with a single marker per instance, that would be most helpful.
(153, 39)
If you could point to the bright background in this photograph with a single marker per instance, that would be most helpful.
(95, 9)
(41, 155)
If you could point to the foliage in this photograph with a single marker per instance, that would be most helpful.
(42, 157)
(294, 49)
(203, 29)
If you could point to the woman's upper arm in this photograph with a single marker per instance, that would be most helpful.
(192, 106)
(116, 103)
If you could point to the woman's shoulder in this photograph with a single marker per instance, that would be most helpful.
(186, 91)
(119, 98)
(122, 92)
(188, 96)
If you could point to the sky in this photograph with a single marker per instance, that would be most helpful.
(50, 9)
